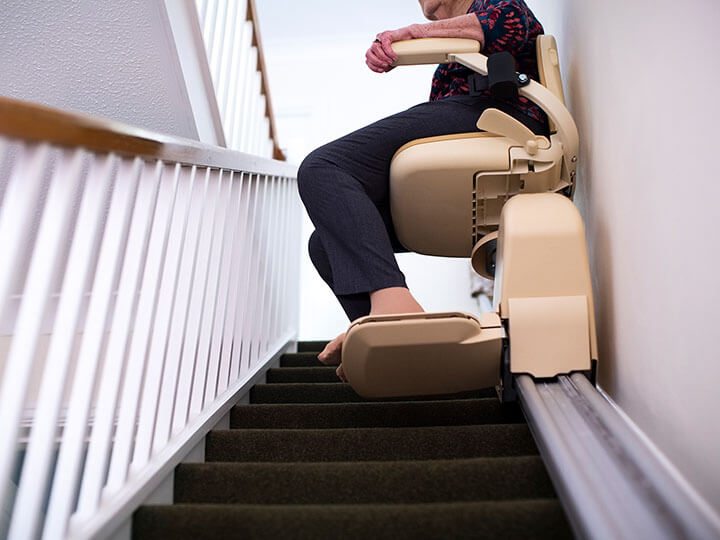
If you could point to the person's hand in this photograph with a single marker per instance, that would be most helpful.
(380, 56)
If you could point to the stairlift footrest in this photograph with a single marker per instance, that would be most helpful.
(549, 336)
(422, 354)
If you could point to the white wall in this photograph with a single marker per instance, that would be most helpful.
(642, 80)
(305, 42)
(110, 58)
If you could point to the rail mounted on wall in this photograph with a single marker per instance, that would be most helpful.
(609, 482)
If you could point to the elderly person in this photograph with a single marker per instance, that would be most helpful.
(344, 185)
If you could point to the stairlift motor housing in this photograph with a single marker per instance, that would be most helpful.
(451, 196)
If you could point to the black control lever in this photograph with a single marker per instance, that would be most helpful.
(502, 80)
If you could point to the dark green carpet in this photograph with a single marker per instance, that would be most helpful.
(399, 482)
(309, 458)
(369, 444)
(537, 518)
(457, 412)
(311, 346)
(336, 392)
(301, 359)
(302, 375)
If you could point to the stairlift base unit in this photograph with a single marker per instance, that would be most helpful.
(474, 195)
(549, 335)
(542, 254)
(417, 354)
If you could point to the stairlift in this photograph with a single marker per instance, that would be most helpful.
(502, 197)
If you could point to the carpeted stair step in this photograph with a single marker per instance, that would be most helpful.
(536, 518)
(304, 359)
(309, 458)
(376, 414)
(331, 393)
(302, 375)
(311, 346)
(397, 482)
(369, 444)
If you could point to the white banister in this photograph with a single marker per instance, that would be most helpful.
(228, 276)
(146, 281)
(196, 388)
(140, 294)
(240, 80)
(41, 445)
(147, 309)
(108, 267)
(247, 301)
(100, 442)
(231, 35)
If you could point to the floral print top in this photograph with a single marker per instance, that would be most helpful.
(508, 25)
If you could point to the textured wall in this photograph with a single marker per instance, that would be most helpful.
(641, 79)
(113, 58)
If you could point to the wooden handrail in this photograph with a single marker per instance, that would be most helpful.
(39, 123)
(265, 87)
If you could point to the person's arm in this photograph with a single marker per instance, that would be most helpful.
(503, 26)
(380, 55)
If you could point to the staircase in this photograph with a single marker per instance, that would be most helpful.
(309, 458)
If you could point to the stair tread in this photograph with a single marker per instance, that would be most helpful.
(375, 414)
(363, 482)
(333, 393)
(302, 374)
(311, 345)
(310, 458)
(301, 359)
(537, 518)
(369, 444)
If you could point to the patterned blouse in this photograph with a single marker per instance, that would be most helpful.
(509, 25)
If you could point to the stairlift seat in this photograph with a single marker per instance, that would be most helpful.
(448, 197)
(447, 192)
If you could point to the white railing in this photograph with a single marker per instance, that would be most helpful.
(138, 294)
(232, 40)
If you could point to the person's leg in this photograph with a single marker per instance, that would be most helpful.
(344, 186)
(355, 305)
(388, 300)
(383, 302)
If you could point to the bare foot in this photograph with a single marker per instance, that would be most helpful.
(341, 373)
(393, 300)
(331, 354)
(383, 302)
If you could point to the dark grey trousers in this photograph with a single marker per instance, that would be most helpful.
(344, 186)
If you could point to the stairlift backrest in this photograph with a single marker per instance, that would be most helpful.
(548, 61)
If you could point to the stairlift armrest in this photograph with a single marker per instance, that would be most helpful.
(432, 50)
